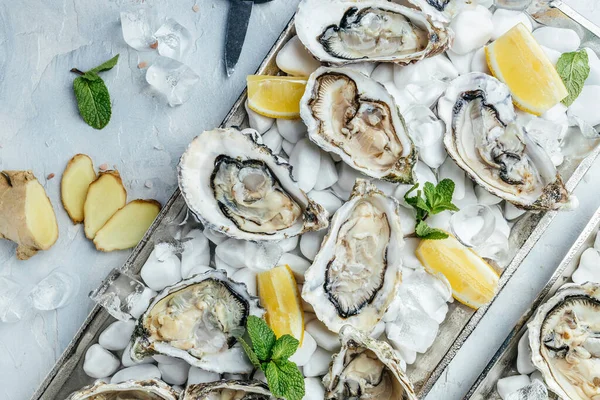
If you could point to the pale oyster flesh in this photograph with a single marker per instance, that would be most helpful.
(355, 117)
(366, 369)
(485, 140)
(356, 274)
(228, 390)
(565, 340)
(344, 31)
(151, 389)
(236, 186)
(198, 320)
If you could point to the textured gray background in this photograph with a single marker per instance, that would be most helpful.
(40, 129)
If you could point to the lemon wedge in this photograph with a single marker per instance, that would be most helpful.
(275, 96)
(474, 282)
(517, 59)
(279, 295)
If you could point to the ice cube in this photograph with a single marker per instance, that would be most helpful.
(310, 243)
(256, 256)
(409, 259)
(289, 244)
(485, 197)
(449, 170)
(295, 60)
(13, 304)
(473, 225)
(582, 107)
(291, 130)
(513, 4)
(328, 200)
(162, 268)
(119, 294)
(314, 389)
(412, 329)
(524, 363)
(318, 364)
(172, 79)
(383, 73)
(175, 373)
(560, 39)
(305, 160)
(198, 375)
(589, 267)
(54, 291)
(423, 126)
(139, 306)
(137, 372)
(323, 336)
(99, 362)
(196, 252)
(511, 212)
(247, 277)
(479, 62)
(347, 176)
(138, 27)
(534, 391)
(305, 351)
(495, 248)
(511, 384)
(273, 140)
(214, 236)
(117, 335)
(504, 20)
(594, 76)
(437, 68)
(297, 264)
(472, 29)
(462, 62)
(257, 121)
(548, 134)
(174, 40)
(327, 172)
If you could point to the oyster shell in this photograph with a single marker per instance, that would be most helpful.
(355, 117)
(198, 320)
(237, 186)
(151, 389)
(356, 273)
(442, 11)
(485, 140)
(243, 390)
(347, 31)
(366, 368)
(564, 337)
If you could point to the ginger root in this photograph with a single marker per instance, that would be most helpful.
(105, 196)
(76, 179)
(26, 214)
(127, 227)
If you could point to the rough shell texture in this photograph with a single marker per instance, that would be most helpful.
(155, 387)
(204, 391)
(195, 179)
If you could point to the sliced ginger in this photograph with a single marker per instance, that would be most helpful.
(127, 226)
(76, 179)
(105, 196)
(26, 214)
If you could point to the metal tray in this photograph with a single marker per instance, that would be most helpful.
(504, 361)
(67, 374)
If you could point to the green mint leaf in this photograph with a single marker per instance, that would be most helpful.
(412, 189)
(249, 352)
(285, 380)
(445, 189)
(284, 347)
(106, 65)
(430, 194)
(93, 101)
(91, 76)
(424, 231)
(262, 336)
(573, 69)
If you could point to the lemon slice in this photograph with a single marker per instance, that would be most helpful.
(474, 282)
(275, 96)
(279, 295)
(517, 59)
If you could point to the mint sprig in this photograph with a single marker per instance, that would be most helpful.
(574, 69)
(438, 198)
(93, 99)
(270, 354)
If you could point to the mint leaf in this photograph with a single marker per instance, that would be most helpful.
(106, 65)
(249, 352)
(424, 231)
(573, 69)
(284, 347)
(93, 101)
(445, 189)
(262, 336)
(440, 198)
(285, 380)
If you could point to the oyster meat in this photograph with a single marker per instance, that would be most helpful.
(237, 186)
(355, 117)
(356, 273)
(564, 337)
(346, 31)
(366, 368)
(198, 320)
(151, 389)
(485, 140)
(228, 390)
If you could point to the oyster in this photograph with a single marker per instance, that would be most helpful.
(355, 117)
(356, 273)
(198, 320)
(564, 337)
(238, 187)
(151, 389)
(346, 31)
(485, 140)
(442, 11)
(366, 368)
(242, 390)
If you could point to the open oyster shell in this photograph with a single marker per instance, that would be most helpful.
(240, 188)
(151, 389)
(198, 320)
(442, 11)
(356, 273)
(484, 139)
(564, 337)
(366, 368)
(251, 390)
(355, 117)
(347, 31)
